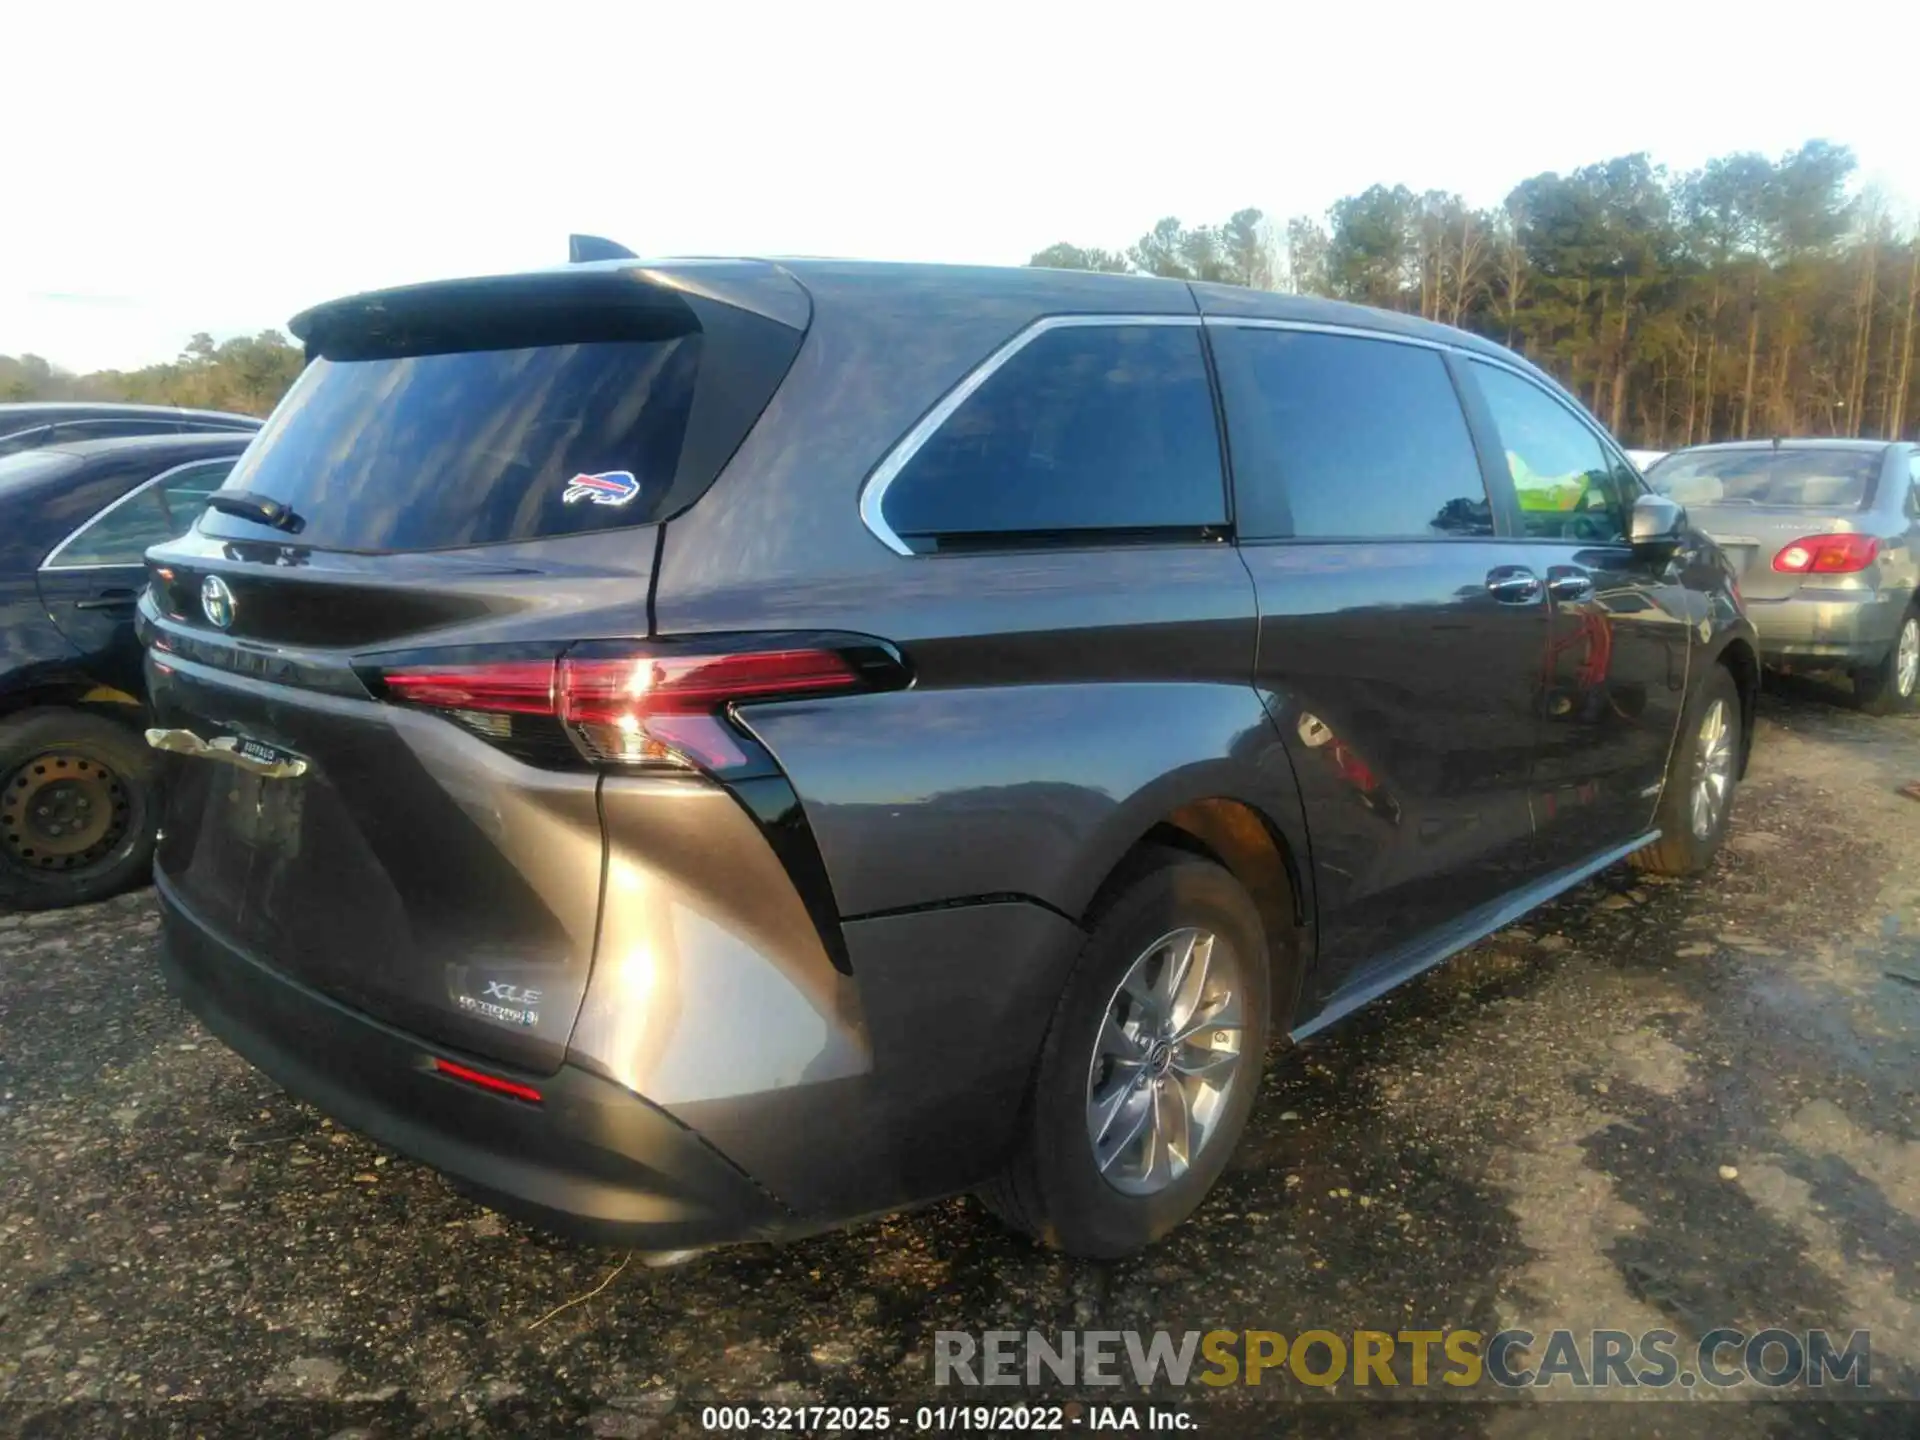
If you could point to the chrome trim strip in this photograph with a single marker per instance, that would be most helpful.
(873, 493)
(1317, 327)
(53, 555)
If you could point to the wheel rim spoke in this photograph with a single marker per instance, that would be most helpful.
(1173, 973)
(1203, 1063)
(1221, 1012)
(1138, 1098)
(1192, 987)
(1171, 1135)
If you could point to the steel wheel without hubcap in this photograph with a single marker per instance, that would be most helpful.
(62, 812)
(1167, 1056)
(1713, 773)
(1906, 658)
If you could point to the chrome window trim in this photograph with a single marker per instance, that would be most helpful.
(873, 492)
(50, 565)
(1321, 327)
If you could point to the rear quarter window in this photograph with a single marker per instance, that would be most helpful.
(1087, 432)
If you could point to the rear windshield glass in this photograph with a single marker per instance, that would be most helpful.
(428, 452)
(1805, 479)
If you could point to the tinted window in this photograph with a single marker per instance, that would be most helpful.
(151, 515)
(1087, 428)
(1569, 486)
(425, 452)
(1339, 437)
(1803, 479)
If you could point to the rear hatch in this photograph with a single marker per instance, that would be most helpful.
(466, 484)
(1755, 503)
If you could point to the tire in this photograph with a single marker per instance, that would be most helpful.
(95, 778)
(1682, 849)
(1054, 1188)
(1883, 689)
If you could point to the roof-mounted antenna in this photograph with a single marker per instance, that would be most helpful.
(583, 249)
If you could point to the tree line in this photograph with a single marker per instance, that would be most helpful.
(247, 375)
(1750, 297)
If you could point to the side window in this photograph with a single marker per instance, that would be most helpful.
(1567, 484)
(1337, 437)
(1086, 429)
(158, 511)
(185, 492)
(1913, 490)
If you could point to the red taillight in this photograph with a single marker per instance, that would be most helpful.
(1827, 555)
(604, 692)
(486, 1081)
(503, 687)
(662, 707)
(666, 709)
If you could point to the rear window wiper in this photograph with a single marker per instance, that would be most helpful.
(261, 509)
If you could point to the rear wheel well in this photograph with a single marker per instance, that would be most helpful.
(1740, 662)
(1241, 841)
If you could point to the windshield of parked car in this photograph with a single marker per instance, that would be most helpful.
(1804, 479)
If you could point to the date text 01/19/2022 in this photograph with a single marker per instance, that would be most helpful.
(939, 1419)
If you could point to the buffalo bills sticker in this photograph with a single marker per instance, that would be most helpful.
(610, 487)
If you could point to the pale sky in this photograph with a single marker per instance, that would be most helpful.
(197, 166)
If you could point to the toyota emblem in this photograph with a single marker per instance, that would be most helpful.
(216, 601)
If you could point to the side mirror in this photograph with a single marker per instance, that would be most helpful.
(1658, 523)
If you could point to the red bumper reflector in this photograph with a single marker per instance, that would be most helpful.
(486, 1082)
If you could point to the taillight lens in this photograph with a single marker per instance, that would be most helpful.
(667, 709)
(505, 687)
(658, 707)
(1827, 555)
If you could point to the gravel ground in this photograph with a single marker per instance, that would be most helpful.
(1649, 1105)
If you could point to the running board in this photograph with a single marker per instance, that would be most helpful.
(1402, 965)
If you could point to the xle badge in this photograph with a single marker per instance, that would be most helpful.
(610, 487)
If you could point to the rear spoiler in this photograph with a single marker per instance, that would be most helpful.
(569, 304)
(585, 249)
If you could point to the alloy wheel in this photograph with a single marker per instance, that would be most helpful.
(1906, 658)
(1713, 769)
(1167, 1057)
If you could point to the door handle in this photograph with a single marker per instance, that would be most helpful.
(108, 600)
(1567, 583)
(1513, 585)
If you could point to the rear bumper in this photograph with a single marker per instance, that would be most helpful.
(591, 1160)
(1839, 628)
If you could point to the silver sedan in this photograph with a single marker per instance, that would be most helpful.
(1823, 534)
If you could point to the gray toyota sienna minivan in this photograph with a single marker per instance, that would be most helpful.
(705, 751)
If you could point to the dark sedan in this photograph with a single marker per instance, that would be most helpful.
(76, 818)
(34, 426)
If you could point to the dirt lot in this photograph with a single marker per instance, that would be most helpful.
(1651, 1105)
